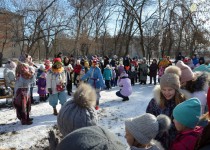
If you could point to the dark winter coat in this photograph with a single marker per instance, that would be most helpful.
(41, 83)
(106, 61)
(153, 70)
(113, 63)
(126, 61)
(143, 70)
(132, 74)
(155, 109)
(207, 147)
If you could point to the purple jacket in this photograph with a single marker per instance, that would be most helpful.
(41, 86)
(120, 70)
(125, 85)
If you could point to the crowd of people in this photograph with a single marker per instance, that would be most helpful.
(176, 118)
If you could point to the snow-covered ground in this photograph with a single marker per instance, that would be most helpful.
(112, 115)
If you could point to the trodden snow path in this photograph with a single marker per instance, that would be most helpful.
(112, 114)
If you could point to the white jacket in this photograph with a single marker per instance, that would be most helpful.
(54, 79)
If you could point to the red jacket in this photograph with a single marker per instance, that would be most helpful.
(77, 69)
(186, 140)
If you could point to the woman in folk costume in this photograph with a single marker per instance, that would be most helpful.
(95, 80)
(22, 101)
(68, 70)
(56, 81)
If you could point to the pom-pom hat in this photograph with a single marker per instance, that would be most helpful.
(186, 72)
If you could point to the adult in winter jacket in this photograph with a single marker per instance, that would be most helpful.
(166, 96)
(125, 86)
(143, 70)
(153, 68)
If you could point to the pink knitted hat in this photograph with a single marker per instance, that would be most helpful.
(186, 74)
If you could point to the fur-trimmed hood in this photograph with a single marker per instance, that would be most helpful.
(157, 91)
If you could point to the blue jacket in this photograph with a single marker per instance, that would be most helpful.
(195, 61)
(107, 74)
(94, 77)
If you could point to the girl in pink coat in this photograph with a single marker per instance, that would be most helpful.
(125, 86)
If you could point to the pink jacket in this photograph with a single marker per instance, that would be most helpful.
(186, 140)
(125, 85)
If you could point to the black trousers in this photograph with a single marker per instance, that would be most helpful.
(108, 84)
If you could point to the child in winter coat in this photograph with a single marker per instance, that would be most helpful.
(39, 72)
(107, 75)
(132, 75)
(186, 117)
(141, 131)
(78, 112)
(68, 71)
(114, 75)
(95, 80)
(41, 83)
(125, 86)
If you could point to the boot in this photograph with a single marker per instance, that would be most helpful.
(97, 107)
(125, 99)
(26, 122)
(55, 111)
(69, 93)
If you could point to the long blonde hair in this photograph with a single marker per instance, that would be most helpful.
(178, 97)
